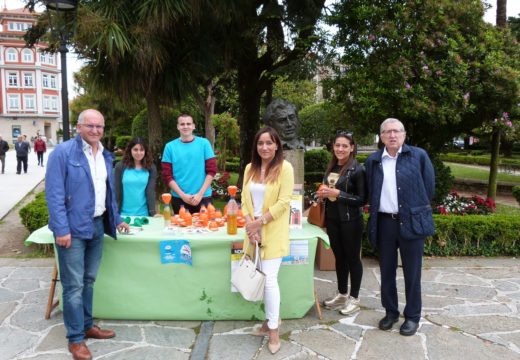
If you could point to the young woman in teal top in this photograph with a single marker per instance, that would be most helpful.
(134, 180)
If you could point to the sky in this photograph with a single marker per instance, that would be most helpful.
(73, 64)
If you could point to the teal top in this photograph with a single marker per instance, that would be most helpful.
(134, 196)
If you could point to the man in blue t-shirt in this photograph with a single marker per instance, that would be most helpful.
(188, 167)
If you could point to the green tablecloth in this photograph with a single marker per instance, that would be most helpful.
(133, 284)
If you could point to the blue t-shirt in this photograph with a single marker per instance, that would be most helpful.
(189, 163)
(134, 192)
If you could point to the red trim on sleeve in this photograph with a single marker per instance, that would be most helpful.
(166, 172)
(211, 166)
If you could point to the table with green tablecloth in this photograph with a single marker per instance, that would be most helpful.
(133, 284)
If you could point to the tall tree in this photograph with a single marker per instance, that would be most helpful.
(429, 63)
(501, 23)
(265, 37)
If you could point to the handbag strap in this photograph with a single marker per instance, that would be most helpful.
(257, 251)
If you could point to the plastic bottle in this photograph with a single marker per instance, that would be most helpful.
(167, 214)
(232, 211)
(182, 211)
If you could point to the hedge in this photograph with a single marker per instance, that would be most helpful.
(516, 193)
(470, 235)
(478, 160)
(34, 215)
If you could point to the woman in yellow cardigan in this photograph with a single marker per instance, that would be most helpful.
(266, 194)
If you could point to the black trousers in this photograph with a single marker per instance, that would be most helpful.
(388, 241)
(345, 241)
(19, 161)
(177, 202)
(39, 154)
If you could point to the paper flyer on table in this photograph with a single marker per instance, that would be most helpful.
(176, 251)
(299, 253)
(236, 255)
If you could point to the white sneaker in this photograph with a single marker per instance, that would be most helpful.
(336, 302)
(351, 306)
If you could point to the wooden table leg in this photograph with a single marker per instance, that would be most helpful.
(318, 307)
(51, 304)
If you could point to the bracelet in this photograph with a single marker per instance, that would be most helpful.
(263, 219)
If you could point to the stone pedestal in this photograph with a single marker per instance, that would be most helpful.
(296, 157)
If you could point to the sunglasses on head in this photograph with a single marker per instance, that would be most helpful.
(344, 133)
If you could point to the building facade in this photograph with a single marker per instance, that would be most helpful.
(30, 81)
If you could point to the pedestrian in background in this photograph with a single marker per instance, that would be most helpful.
(22, 149)
(344, 195)
(401, 185)
(4, 147)
(40, 148)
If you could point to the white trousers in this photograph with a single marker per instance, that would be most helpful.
(272, 291)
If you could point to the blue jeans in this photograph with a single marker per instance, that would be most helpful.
(79, 265)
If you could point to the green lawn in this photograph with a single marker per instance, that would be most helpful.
(507, 210)
(461, 171)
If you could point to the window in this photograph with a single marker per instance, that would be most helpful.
(13, 101)
(12, 79)
(43, 58)
(45, 80)
(12, 55)
(27, 56)
(28, 80)
(29, 102)
(19, 26)
(52, 81)
(50, 59)
(50, 103)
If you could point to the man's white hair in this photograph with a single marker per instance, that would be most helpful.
(391, 121)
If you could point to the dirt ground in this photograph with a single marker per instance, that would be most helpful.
(13, 233)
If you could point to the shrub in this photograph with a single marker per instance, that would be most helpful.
(443, 180)
(232, 166)
(454, 204)
(34, 215)
(122, 141)
(516, 193)
(316, 160)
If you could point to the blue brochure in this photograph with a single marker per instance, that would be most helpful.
(176, 251)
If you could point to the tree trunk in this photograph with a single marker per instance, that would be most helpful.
(154, 127)
(209, 110)
(248, 118)
(493, 165)
(502, 13)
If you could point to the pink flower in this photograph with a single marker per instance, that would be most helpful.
(407, 86)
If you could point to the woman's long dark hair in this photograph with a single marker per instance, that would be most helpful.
(275, 166)
(334, 161)
(128, 160)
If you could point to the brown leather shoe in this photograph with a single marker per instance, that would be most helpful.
(96, 333)
(80, 351)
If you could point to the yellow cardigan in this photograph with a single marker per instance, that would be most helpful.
(277, 198)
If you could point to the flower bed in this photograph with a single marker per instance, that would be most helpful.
(454, 204)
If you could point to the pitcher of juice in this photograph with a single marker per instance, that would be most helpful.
(167, 214)
(232, 211)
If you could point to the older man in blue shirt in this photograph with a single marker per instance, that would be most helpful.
(79, 189)
(401, 185)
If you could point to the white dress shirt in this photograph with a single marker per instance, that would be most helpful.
(98, 172)
(388, 202)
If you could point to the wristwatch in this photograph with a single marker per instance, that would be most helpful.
(264, 220)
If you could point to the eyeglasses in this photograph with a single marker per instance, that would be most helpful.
(392, 131)
(92, 127)
(344, 133)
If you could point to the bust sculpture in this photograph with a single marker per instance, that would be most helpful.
(281, 115)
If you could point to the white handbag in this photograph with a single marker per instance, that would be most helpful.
(249, 280)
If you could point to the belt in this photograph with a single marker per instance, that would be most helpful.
(389, 215)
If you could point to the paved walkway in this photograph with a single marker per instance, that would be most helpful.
(13, 187)
(471, 311)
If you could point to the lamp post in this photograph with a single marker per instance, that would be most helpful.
(60, 28)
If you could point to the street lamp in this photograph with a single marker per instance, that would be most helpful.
(61, 8)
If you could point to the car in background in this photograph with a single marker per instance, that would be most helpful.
(458, 143)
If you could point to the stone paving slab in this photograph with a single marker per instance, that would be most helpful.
(470, 304)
